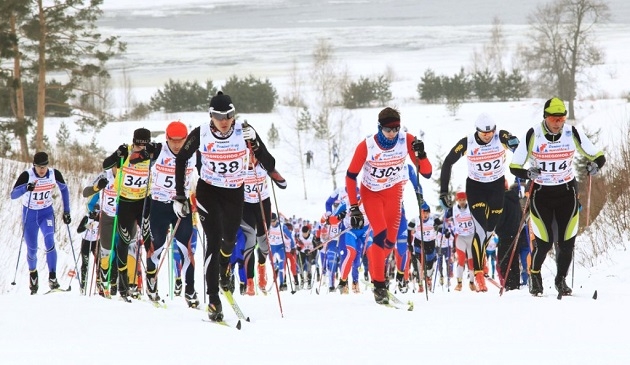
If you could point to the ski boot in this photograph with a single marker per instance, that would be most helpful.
(178, 287)
(380, 293)
(535, 284)
(250, 287)
(134, 292)
(215, 310)
(343, 287)
(33, 282)
(52, 281)
(192, 300)
(458, 287)
(152, 288)
(480, 279)
(262, 277)
(562, 287)
(472, 286)
(283, 287)
(242, 288)
(226, 279)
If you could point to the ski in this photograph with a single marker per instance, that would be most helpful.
(397, 303)
(493, 282)
(58, 290)
(224, 323)
(239, 313)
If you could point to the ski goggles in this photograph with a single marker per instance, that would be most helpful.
(390, 129)
(218, 115)
(554, 118)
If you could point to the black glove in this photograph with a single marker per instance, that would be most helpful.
(102, 183)
(181, 206)
(122, 150)
(418, 147)
(341, 215)
(411, 225)
(66, 218)
(533, 173)
(447, 234)
(356, 217)
(139, 156)
(150, 147)
(81, 228)
(93, 215)
(420, 199)
(30, 186)
(592, 168)
(445, 201)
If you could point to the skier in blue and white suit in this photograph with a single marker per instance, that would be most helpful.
(35, 187)
(279, 235)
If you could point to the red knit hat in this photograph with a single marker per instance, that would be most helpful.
(176, 130)
(460, 195)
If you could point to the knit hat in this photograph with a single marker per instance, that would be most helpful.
(425, 207)
(221, 103)
(389, 117)
(141, 136)
(40, 158)
(555, 107)
(274, 216)
(176, 130)
(460, 195)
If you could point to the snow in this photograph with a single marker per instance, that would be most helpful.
(453, 327)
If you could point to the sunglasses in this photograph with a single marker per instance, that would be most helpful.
(391, 129)
(222, 115)
(552, 118)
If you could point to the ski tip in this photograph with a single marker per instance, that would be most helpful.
(69, 288)
(238, 325)
(595, 295)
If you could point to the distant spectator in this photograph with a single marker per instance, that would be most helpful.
(309, 158)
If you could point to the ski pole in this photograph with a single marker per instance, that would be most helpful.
(518, 233)
(76, 269)
(17, 263)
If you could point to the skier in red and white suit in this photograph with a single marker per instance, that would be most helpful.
(381, 158)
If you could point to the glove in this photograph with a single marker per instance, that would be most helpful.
(102, 183)
(250, 135)
(122, 150)
(341, 215)
(356, 217)
(137, 157)
(81, 228)
(512, 143)
(181, 206)
(447, 234)
(533, 173)
(411, 225)
(316, 241)
(445, 202)
(150, 147)
(30, 186)
(420, 199)
(66, 218)
(592, 168)
(418, 147)
(93, 216)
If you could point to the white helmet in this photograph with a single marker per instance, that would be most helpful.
(485, 123)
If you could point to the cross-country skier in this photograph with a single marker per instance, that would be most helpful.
(549, 148)
(35, 186)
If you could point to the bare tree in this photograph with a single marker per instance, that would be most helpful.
(332, 126)
(492, 53)
(562, 45)
(129, 98)
(299, 121)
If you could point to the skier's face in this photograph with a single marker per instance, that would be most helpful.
(41, 170)
(486, 137)
(555, 124)
(461, 202)
(390, 133)
(175, 144)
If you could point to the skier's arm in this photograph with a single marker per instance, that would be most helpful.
(588, 149)
(358, 159)
(19, 188)
(453, 156)
(414, 179)
(181, 160)
(423, 164)
(508, 140)
(63, 188)
(93, 189)
(521, 155)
